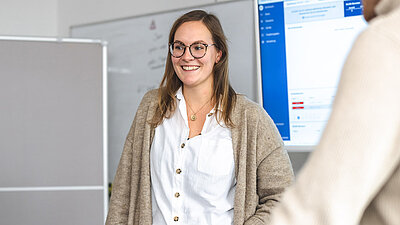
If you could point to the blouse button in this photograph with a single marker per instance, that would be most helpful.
(182, 145)
(176, 218)
(177, 195)
(178, 171)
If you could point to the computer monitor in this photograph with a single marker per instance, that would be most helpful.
(301, 48)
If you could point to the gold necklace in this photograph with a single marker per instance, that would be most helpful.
(193, 116)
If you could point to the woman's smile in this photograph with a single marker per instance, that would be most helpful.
(190, 68)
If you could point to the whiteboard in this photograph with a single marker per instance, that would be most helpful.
(137, 50)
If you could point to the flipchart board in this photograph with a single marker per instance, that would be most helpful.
(53, 151)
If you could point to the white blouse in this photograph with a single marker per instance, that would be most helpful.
(192, 180)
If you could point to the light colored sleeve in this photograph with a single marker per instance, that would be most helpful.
(274, 171)
(357, 152)
(128, 175)
(274, 175)
(120, 198)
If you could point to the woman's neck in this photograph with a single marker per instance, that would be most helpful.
(197, 96)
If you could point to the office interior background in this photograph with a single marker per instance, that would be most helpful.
(55, 18)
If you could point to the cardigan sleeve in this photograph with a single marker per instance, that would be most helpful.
(274, 170)
(120, 196)
(128, 176)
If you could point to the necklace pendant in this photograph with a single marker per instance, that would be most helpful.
(193, 117)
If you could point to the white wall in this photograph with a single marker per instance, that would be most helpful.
(28, 18)
(78, 12)
(55, 17)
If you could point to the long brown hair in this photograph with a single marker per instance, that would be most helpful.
(223, 94)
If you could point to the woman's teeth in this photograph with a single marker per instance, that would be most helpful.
(189, 68)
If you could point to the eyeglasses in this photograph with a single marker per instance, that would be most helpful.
(197, 50)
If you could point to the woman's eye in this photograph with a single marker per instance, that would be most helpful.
(198, 47)
(178, 47)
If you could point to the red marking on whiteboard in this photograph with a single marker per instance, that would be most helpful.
(153, 25)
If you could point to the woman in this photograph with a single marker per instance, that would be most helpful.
(198, 153)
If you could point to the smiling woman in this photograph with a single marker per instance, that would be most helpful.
(198, 153)
(195, 70)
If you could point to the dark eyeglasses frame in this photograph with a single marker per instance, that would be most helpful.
(184, 50)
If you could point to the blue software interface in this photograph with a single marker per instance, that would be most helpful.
(303, 45)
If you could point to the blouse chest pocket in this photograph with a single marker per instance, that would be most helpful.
(216, 156)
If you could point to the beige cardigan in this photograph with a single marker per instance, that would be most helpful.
(262, 167)
(353, 177)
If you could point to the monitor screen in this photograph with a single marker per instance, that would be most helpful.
(301, 47)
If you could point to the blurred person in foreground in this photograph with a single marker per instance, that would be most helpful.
(353, 177)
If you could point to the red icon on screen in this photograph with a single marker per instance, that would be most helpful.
(298, 105)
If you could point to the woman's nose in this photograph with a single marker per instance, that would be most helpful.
(187, 56)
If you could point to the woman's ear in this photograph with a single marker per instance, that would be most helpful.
(219, 55)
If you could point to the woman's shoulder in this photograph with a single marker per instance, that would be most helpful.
(149, 99)
(244, 104)
(150, 96)
(252, 116)
(251, 112)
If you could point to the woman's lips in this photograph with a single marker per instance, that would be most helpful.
(190, 68)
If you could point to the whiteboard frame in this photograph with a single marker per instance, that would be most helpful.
(258, 53)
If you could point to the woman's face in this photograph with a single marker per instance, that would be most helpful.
(191, 71)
